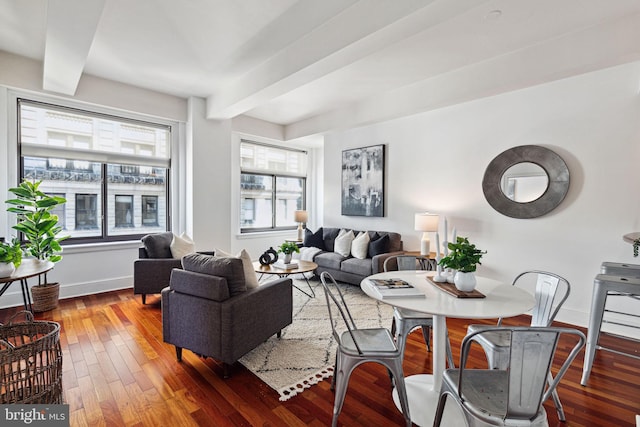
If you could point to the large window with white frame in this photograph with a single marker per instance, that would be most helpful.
(272, 186)
(113, 170)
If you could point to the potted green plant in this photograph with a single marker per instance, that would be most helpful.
(463, 257)
(40, 230)
(288, 248)
(10, 257)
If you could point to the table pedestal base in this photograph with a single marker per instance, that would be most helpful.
(423, 401)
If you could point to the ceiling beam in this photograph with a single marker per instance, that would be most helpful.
(557, 58)
(71, 27)
(329, 47)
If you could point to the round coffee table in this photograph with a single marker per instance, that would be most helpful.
(302, 267)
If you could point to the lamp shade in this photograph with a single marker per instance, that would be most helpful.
(426, 221)
(300, 216)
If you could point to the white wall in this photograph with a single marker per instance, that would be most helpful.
(435, 162)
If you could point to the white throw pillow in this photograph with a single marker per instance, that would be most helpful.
(360, 245)
(342, 244)
(250, 276)
(182, 245)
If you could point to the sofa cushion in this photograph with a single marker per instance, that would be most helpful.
(158, 245)
(247, 265)
(314, 240)
(230, 268)
(182, 245)
(342, 244)
(329, 260)
(329, 236)
(379, 246)
(360, 245)
(361, 267)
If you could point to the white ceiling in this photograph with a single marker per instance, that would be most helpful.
(315, 65)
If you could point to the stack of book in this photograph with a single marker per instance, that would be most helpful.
(395, 288)
(287, 266)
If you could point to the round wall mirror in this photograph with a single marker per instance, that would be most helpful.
(526, 181)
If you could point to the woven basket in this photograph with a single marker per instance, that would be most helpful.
(45, 298)
(30, 362)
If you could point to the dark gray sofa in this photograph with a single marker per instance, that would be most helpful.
(206, 310)
(349, 269)
(151, 272)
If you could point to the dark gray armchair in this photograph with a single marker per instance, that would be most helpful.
(152, 271)
(206, 310)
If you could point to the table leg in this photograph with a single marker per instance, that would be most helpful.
(25, 295)
(423, 390)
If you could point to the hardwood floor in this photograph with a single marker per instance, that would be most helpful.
(118, 372)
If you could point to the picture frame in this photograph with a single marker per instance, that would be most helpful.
(363, 181)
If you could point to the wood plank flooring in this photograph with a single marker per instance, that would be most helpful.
(118, 372)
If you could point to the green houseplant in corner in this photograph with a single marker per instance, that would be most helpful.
(40, 231)
(10, 257)
(463, 257)
(288, 248)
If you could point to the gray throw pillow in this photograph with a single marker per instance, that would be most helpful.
(228, 267)
(158, 245)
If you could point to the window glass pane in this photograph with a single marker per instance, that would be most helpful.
(61, 177)
(256, 208)
(149, 211)
(135, 199)
(289, 198)
(86, 212)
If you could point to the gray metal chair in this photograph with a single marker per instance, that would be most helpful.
(551, 291)
(357, 346)
(405, 320)
(514, 395)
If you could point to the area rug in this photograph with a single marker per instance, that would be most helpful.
(305, 353)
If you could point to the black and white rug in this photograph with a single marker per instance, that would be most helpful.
(305, 353)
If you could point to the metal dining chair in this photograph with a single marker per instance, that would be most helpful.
(357, 346)
(513, 395)
(551, 291)
(405, 320)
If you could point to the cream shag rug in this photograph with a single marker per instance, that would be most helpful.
(305, 353)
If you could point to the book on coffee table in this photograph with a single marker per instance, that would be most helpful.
(395, 288)
(286, 266)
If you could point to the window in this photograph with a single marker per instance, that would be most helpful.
(272, 186)
(112, 170)
(149, 211)
(59, 210)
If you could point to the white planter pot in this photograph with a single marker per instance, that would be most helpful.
(287, 258)
(6, 269)
(465, 282)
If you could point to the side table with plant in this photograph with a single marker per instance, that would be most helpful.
(288, 248)
(40, 230)
(463, 257)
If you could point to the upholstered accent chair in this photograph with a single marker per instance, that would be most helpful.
(208, 309)
(152, 269)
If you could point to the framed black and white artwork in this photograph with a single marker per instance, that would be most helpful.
(363, 181)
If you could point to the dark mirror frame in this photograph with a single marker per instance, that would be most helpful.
(548, 160)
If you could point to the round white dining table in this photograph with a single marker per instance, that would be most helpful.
(501, 300)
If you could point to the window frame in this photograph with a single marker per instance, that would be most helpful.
(274, 189)
(172, 128)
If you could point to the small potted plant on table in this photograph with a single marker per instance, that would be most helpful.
(10, 257)
(288, 248)
(463, 257)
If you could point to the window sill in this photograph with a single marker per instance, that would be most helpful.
(100, 247)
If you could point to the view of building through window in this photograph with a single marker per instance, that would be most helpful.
(272, 186)
(113, 172)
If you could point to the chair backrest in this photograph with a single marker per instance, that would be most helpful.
(335, 301)
(532, 351)
(551, 291)
(401, 262)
